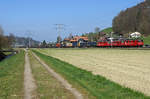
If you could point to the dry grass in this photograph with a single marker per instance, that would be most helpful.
(130, 68)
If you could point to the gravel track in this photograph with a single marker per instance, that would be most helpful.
(29, 82)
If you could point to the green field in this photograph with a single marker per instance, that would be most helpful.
(11, 77)
(98, 86)
(147, 40)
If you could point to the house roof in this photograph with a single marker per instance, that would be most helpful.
(76, 38)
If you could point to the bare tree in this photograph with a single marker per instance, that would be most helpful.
(1, 31)
(11, 39)
(70, 36)
(59, 39)
(1, 37)
(97, 30)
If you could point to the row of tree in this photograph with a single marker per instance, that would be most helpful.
(133, 19)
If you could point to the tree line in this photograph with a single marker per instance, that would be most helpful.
(5, 41)
(133, 19)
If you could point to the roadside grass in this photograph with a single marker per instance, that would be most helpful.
(96, 85)
(11, 77)
(47, 86)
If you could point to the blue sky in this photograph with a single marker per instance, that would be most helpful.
(39, 16)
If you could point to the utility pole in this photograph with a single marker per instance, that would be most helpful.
(29, 38)
(60, 28)
(111, 40)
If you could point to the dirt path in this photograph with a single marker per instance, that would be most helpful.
(68, 86)
(29, 85)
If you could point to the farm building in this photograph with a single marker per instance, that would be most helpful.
(66, 42)
(79, 41)
(76, 41)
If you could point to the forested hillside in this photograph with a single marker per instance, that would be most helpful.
(133, 19)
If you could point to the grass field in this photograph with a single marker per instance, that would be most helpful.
(11, 77)
(147, 40)
(119, 66)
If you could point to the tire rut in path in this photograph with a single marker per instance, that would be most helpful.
(64, 82)
(29, 82)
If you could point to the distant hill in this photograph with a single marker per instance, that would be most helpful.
(23, 42)
(133, 19)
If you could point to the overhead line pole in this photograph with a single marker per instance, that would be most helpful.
(29, 38)
(60, 28)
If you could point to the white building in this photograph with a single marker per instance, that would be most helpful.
(135, 35)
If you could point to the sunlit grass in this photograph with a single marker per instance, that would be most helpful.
(47, 86)
(11, 77)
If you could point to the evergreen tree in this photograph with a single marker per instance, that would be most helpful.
(44, 44)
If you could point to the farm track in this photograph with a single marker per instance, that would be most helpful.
(130, 68)
(64, 82)
(30, 87)
(29, 82)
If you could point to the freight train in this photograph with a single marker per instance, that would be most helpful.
(109, 42)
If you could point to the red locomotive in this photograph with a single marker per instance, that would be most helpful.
(110, 42)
